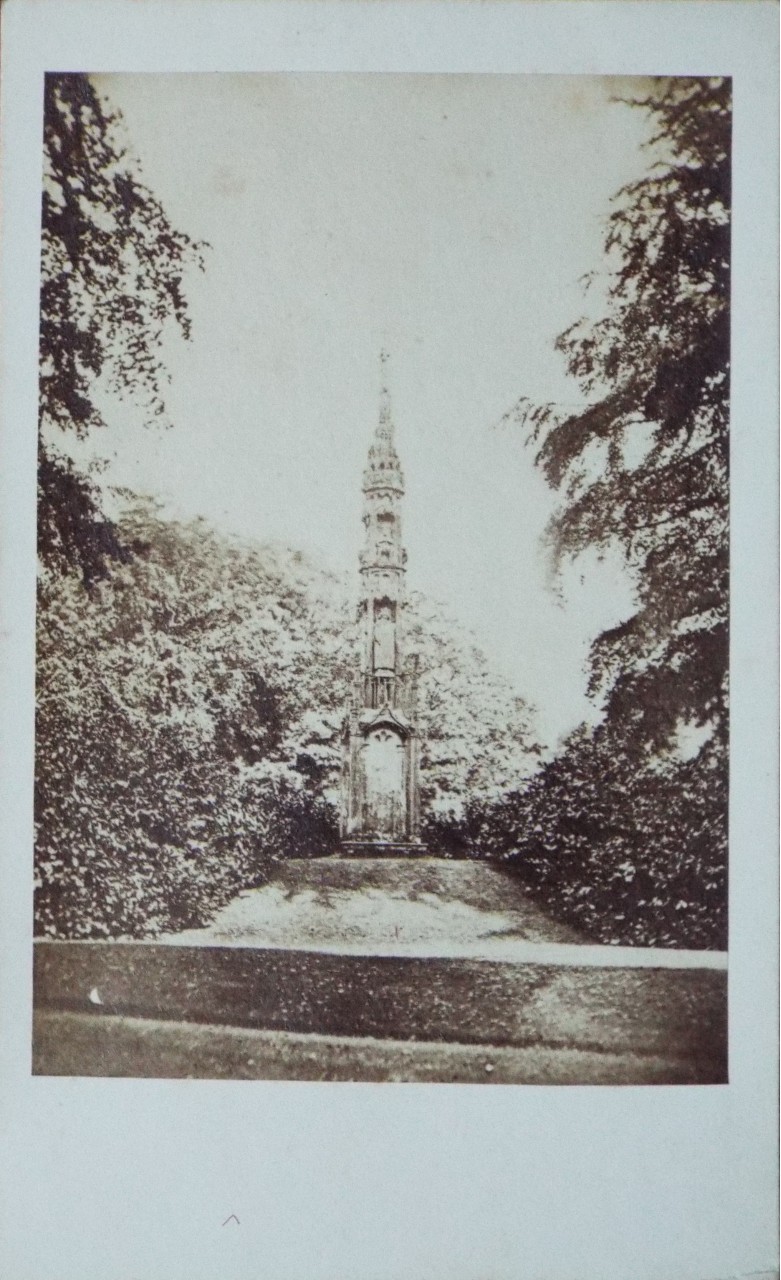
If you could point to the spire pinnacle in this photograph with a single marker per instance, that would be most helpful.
(383, 469)
(385, 425)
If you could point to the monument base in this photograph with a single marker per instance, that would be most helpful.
(358, 848)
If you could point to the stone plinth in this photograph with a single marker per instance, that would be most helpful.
(383, 849)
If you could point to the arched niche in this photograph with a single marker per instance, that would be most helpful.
(383, 770)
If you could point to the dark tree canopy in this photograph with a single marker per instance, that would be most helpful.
(645, 464)
(112, 279)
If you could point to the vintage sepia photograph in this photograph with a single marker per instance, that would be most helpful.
(382, 725)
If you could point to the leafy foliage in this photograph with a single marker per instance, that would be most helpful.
(189, 721)
(166, 703)
(477, 738)
(112, 279)
(627, 856)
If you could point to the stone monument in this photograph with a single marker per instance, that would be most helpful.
(380, 783)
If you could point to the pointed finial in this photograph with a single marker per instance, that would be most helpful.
(383, 469)
(385, 407)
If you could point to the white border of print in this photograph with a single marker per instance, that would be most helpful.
(132, 1179)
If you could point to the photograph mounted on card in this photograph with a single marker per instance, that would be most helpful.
(383, 609)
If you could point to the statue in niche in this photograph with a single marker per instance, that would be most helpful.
(384, 640)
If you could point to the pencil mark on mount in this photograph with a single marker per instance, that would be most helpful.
(231, 1218)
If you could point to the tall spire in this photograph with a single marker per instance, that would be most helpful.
(380, 783)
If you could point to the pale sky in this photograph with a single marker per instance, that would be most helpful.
(446, 218)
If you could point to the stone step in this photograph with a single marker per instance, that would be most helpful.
(383, 849)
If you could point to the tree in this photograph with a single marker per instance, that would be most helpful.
(171, 714)
(644, 466)
(113, 270)
(476, 733)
